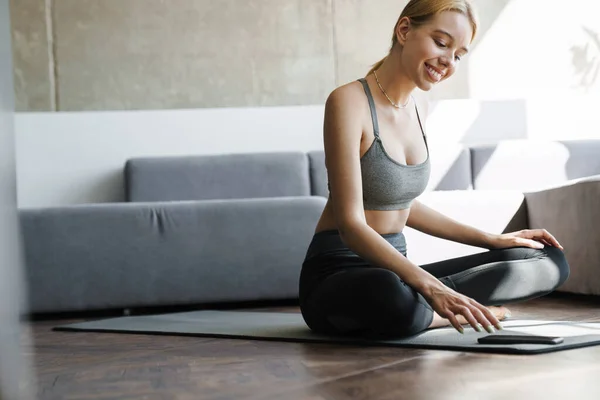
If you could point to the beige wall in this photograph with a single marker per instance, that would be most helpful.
(152, 54)
(75, 55)
(33, 75)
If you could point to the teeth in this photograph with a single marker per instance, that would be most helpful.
(436, 74)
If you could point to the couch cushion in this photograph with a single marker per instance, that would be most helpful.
(450, 169)
(529, 165)
(121, 255)
(227, 176)
(318, 173)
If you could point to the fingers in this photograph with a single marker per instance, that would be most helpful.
(546, 237)
(535, 244)
(486, 317)
(529, 243)
(474, 313)
(452, 318)
(551, 239)
(477, 318)
(467, 313)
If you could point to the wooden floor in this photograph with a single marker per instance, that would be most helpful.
(120, 366)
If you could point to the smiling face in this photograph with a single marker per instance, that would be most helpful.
(431, 52)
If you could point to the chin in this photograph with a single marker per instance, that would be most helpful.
(423, 83)
(425, 86)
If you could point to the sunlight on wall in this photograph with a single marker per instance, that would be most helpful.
(450, 120)
(529, 54)
(576, 118)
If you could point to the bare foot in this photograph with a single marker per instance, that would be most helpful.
(499, 312)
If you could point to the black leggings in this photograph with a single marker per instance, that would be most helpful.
(342, 294)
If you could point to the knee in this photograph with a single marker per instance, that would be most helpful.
(555, 262)
(402, 311)
(555, 256)
(388, 292)
(559, 262)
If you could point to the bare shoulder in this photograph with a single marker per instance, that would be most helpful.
(344, 110)
(348, 96)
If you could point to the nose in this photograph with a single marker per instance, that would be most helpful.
(446, 62)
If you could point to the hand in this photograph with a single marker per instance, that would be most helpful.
(534, 238)
(448, 303)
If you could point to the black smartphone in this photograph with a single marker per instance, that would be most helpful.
(520, 339)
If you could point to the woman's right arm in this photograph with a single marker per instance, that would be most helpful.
(342, 138)
(343, 124)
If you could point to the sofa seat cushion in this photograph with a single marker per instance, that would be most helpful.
(108, 256)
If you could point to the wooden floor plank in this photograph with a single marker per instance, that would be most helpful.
(123, 366)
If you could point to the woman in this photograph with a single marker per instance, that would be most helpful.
(356, 278)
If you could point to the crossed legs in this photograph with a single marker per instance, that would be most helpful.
(375, 302)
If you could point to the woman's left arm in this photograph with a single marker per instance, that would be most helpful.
(432, 222)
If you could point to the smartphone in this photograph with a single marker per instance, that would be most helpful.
(520, 339)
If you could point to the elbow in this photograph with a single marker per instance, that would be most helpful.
(349, 228)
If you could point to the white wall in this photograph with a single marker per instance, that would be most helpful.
(71, 158)
(16, 378)
(536, 48)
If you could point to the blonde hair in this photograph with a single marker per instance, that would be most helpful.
(421, 11)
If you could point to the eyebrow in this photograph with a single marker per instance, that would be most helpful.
(443, 32)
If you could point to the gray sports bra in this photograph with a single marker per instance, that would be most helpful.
(388, 184)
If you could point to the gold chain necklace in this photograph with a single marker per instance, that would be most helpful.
(388, 97)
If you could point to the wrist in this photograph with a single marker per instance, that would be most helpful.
(429, 287)
(489, 240)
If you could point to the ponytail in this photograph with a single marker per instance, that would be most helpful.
(377, 65)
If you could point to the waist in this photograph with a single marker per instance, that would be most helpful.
(329, 241)
(380, 221)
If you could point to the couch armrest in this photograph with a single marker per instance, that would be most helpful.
(122, 255)
(571, 212)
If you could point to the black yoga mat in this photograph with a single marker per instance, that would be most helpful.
(291, 327)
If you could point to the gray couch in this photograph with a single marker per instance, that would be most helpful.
(229, 228)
